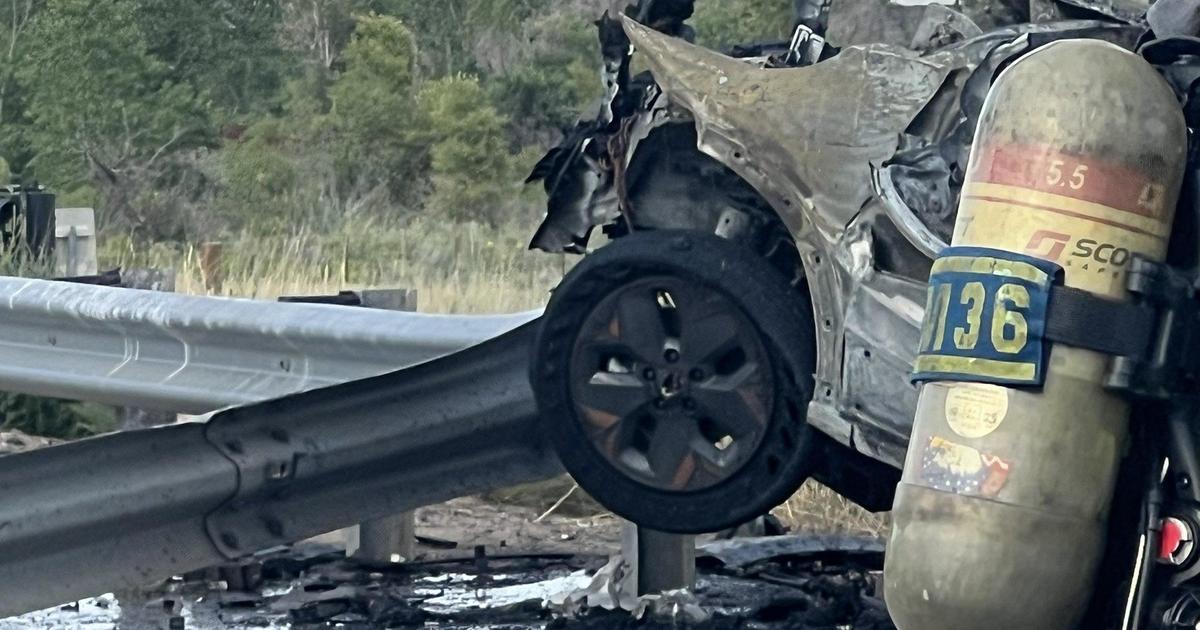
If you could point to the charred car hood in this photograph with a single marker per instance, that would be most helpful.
(812, 140)
(813, 132)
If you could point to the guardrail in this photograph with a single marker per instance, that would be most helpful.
(123, 510)
(191, 354)
(148, 504)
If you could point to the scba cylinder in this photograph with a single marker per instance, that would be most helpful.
(1000, 517)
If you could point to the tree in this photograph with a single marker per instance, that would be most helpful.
(176, 117)
(374, 109)
(471, 170)
(552, 78)
(107, 112)
(453, 34)
(343, 144)
(320, 29)
(259, 171)
(228, 49)
(17, 15)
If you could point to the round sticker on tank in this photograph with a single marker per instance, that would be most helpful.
(975, 411)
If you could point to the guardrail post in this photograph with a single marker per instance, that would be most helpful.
(391, 538)
(660, 561)
(75, 242)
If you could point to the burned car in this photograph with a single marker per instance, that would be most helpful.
(773, 214)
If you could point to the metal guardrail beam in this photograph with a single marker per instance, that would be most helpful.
(123, 510)
(195, 354)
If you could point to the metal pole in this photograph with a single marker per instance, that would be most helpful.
(391, 538)
(660, 561)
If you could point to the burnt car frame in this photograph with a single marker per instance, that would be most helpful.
(840, 166)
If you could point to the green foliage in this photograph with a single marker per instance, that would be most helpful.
(55, 418)
(257, 172)
(97, 97)
(451, 34)
(374, 109)
(5, 174)
(180, 120)
(724, 23)
(15, 21)
(381, 50)
(102, 109)
(472, 172)
(504, 14)
(444, 34)
(228, 50)
(558, 78)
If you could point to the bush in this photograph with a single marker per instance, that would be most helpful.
(474, 176)
(55, 418)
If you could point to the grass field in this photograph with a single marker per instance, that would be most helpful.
(456, 269)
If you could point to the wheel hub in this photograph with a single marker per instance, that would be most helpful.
(672, 383)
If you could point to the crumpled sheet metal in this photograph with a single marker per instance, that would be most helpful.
(815, 131)
(1129, 11)
(1175, 18)
(920, 27)
(739, 553)
(191, 354)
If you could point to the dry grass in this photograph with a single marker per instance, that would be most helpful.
(456, 269)
(817, 509)
(814, 509)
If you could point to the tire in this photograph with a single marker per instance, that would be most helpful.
(731, 277)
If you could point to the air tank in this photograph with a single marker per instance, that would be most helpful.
(1000, 518)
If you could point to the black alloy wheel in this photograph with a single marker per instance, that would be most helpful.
(673, 370)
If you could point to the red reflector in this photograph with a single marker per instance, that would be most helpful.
(1172, 537)
(1178, 542)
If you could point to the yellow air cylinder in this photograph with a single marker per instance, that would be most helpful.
(1000, 517)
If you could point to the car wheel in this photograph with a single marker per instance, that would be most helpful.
(673, 371)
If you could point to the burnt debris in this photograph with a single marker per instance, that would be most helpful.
(801, 583)
(590, 178)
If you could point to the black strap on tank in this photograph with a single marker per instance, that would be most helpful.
(1154, 338)
(1082, 319)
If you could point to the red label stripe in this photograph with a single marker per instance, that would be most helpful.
(1047, 170)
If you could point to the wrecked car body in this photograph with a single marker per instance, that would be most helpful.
(838, 156)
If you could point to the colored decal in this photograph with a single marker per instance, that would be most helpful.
(959, 469)
(976, 411)
(985, 318)
(1088, 213)
(1050, 171)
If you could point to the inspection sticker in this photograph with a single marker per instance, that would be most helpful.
(975, 411)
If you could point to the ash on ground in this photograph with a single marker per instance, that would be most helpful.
(484, 565)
